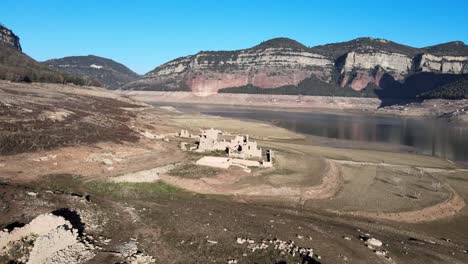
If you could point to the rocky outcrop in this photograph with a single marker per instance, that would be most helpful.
(360, 69)
(443, 64)
(357, 64)
(7, 36)
(109, 73)
(269, 65)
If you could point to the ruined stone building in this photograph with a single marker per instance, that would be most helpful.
(242, 147)
(268, 163)
(239, 147)
(211, 134)
(186, 134)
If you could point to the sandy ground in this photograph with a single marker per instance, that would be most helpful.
(315, 195)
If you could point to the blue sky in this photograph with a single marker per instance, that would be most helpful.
(144, 34)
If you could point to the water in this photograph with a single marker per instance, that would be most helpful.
(434, 137)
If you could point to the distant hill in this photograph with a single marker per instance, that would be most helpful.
(365, 45)
(359, 67)
(110, 73)
(454, 48)
(19, 67)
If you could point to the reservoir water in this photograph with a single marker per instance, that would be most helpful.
(436, 137)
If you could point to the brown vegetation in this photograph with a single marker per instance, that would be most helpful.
(34, 120)
(18, 67)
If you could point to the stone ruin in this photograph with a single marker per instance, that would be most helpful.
(268, 163)
(237, 149)
(186, 134)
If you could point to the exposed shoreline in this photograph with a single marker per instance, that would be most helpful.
(452, 110)
(129, 191)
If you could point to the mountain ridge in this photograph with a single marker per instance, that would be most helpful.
(358, 64)
(110, 73)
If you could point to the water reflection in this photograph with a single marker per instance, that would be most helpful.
(430, 136)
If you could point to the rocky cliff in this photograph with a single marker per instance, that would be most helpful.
(271, 64)
(109, 73)
(7, 36)
(357, 65)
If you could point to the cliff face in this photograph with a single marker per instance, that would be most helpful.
(268, 65)
(443, 64)
(361, 69)
(109, 73)
(357, 64)
(7, 36)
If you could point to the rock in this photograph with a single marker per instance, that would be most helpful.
(46, 239)
(45, 158)
(374, 242)
(55, 116)
(381, 252)
(7, 36)
(133, 255)
(107, 162)
(346, 238)
(240, 240)
(31, 193)
(212, 242)
(148, 135)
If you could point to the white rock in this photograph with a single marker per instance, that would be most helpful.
(241, 240)
(374, 242)
(107, 162)
(380, 252)
(54, 241)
